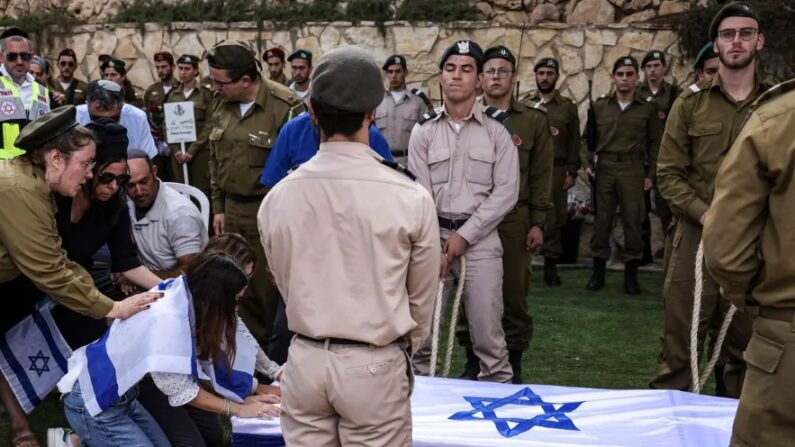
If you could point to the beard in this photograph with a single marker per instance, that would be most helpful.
(549, 88)
(738, 64)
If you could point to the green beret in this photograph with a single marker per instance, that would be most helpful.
(301, 54)
(499, 52)
(707, 52)
(230, 55)
(347, 78)
(48, 127)
(626, 61)
(736, 9)
(188, 59)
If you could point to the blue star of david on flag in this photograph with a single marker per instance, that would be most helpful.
(554, 415)
(34, 363)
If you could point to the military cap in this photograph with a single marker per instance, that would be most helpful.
(736, 9)
(46, 128)
(112, 140)
(273, 52)
(164, 56)
(625, 61)
(230, 55)
(707, 52)
(653, 55)
(499, 52)
(189, 59)
(463, 48)
(115, 64)
(14, 31)
(547, 62)
(395, 59)
(347, 78)
(301, 54)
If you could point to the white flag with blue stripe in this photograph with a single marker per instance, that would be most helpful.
(33, 357)
(236, 383)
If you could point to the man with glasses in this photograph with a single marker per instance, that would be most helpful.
(704, 122)
(72, 90)
(521, 230)
(22, 98)
(105, 100)
(629, 129)
(248, 115)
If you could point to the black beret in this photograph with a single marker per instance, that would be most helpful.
(116, 64)
(463, 48)
(14, 31)
(273, 52)
(499, 52)
(230, 55)
(189, 59)
(547, 62)
(112, 141)
(736, 9)
(46, 128)
(301, 54)
(395, 59)
(347, 78)
(625, 61)
(653, 55)
(706, 53)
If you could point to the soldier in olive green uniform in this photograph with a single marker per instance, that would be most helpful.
(243, 126)
(154, 98)
(522, 230)
(73, 90)
(704, 121)
(748, 245)
(628, 129)
(564, 124)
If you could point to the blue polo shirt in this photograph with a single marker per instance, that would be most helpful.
(298, 142)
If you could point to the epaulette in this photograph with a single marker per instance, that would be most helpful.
(537, 105)
(295, 110)
(281, 92)
(695, 88)
(420, 94)
(772, 92)
(496, 113)
(649, 98)
(399, 168)
(429, 115)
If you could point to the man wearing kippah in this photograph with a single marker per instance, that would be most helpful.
(247, 115)
(468, 161)
(274, 57)
(564, 124)
(354, 249)
(301, 70)
(628, 137)
(704, 122)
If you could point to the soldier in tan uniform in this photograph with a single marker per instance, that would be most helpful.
(704, 121)
(274, 57)
(628, 132)
(564, 122)
(246, 118)
(348, 376)
(748, 246)
(468, 161)
(400, 109)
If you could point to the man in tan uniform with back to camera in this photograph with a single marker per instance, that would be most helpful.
(359, 289)
(466, 158)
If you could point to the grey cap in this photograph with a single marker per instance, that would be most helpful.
(347, 78)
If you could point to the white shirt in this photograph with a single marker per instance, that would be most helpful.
(134, 119)
(26, 89)
(397, 95)
(244, 106)
(299, 94)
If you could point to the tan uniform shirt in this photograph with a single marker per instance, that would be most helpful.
(30, 244)
(473, 173)
(703, 123)
(396, 119)
(239, 146)
(564, 124)
(374, 232)
(749, 235)
(75, 94)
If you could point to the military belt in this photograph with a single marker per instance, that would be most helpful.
(341, 341)
(610, 156)
(776, 313)
(399, 153)
(240, 198)
(451, 224)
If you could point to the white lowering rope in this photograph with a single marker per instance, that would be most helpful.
(437, 323)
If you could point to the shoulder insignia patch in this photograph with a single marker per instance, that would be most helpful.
(538, 106)
(427, 116)
(420, 94)
(399, 168)
(554, 131)
(694, 88)
(497, 114)
(661, 115)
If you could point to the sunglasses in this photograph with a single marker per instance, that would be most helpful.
(93, 117)
(66, 64)
(107, 177)
(13, 56)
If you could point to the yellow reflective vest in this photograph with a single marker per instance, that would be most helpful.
(13, 113)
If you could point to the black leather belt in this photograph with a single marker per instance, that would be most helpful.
(333, 341)
(451, 224)
(244, 199)
(403, 153)
(620, 157)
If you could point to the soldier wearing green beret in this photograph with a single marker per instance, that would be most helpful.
(301, 71)
(242, 129)
(707, 63)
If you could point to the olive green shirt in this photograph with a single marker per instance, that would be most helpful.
(635, 130)
(564, 121)
(703, 123)
(75, 94)
(202, 100)
(30, 244)
(663, 99)
(748, 236)
(240, 145)
(281, 80)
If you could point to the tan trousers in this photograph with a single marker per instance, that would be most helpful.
(766, 415)
(482, 301)
(346, 395)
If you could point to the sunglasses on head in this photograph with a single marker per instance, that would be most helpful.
(107, 177)
(13, 56)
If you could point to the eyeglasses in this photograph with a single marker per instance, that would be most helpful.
(499, 73)
(222, 84)
(746, 34)
(89, 165)
(66, 64)
(13, 56)
(107, 177)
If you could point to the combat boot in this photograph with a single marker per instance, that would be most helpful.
(471, 367)
(631, 285)
(597, 280)
(551, 272)
(515, 359)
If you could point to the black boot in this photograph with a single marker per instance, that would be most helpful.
(597, 280)
(631, 285)
(472, 366)
(515, 359)
(551, 271)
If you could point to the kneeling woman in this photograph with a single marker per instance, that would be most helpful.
(188, 341)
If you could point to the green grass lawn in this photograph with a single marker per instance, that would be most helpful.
(605, 339)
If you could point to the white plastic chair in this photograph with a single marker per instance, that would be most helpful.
(194, 193)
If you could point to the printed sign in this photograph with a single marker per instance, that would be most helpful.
(180, 122)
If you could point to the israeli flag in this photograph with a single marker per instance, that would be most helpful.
(33, 357)
(234, 383)
(462, 413)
